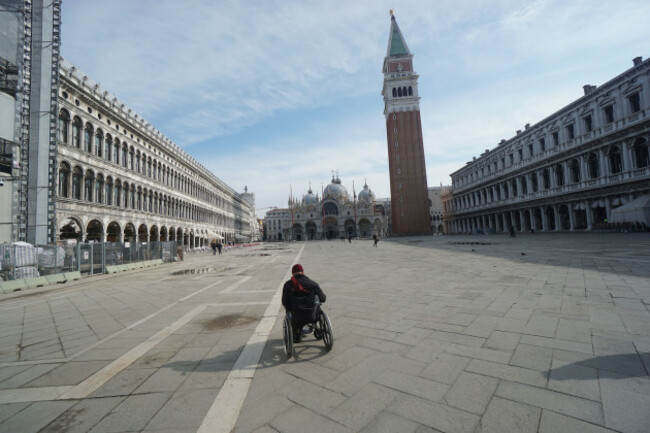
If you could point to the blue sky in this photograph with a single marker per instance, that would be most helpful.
(268, 94)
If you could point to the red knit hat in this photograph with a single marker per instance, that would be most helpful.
(296, 268)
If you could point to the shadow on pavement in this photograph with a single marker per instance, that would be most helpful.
(273, 355)
(610, 366)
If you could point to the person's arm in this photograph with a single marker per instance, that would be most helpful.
(320, 293)
(286, 295)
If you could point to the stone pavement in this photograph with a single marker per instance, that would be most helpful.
(540, 333)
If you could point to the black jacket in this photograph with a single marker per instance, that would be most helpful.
(311, 286)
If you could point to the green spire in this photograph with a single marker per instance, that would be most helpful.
(396, 44)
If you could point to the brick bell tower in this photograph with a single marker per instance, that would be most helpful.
(408, 174)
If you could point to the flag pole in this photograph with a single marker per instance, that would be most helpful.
(291, 206)
(354, 205)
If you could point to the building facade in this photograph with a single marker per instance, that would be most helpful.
(571, 171)
(408, 176)
(119, 179)
(436, 208)
(336, 214)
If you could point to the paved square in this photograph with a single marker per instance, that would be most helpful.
(539, 333)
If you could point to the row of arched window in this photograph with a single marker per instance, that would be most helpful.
(103, 145)
(75, 183)
(398, 92)
(584, 167)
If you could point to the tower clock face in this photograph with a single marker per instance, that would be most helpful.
(400, 67)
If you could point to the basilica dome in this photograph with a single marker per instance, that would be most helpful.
(335, 191)
(367, 194)
(309, 198)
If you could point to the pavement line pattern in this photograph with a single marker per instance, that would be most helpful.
(100, 342)
(224, 412)
(32, 394)
(89, 385)
(234, 286)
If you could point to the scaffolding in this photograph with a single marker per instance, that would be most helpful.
(37, 153)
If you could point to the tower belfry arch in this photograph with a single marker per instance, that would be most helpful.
(408, 176)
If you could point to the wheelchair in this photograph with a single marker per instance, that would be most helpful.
(318, 322)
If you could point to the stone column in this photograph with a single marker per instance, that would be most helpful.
(608, 208)
(531, 217)
(544, 222)
(556, 211)
(602, 161)
(571, 217)
(627, 158)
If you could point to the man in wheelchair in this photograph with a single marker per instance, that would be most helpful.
(300, 295)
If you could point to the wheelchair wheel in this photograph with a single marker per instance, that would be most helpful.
(326, 330)
(288, 337)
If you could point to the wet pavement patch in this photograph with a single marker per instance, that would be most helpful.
(473, 243)
(227, 321)
(205, 270)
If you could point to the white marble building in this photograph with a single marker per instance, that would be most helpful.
(337, 213)
(569, 171)
(120, 179)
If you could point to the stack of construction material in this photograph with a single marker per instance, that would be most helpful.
(50, 257)
(20, 258)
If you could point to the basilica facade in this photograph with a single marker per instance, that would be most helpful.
(335, 213)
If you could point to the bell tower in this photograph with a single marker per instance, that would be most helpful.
(408, 175)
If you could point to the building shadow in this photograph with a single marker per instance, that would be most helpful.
(621, 366)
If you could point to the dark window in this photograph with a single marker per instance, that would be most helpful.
(635, 102)
(77, 176)
(588, 124)
(533, 180)
(520, 153)
(609, 113)
(615, 164)
(394, 92)
(640, 151)
(556, 138)
(88, 137)
(108, 145)
(64, 175)
(547, 179)
(559, 175)
(594, 169)
(410, 91)
(511, 158)
(530, 149)
(399, 92)
(64, 122)
(570, 132)
(574, 167)
(76, 132)
(542, 144)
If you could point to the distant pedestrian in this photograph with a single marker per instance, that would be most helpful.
(512, 231)
(214, 247)
(219, 247)
(375, 239)
(350, 237)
